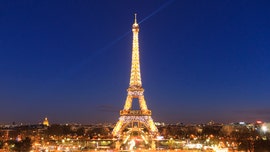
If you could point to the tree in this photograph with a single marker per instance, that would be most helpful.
(1, 144)
(262, 145)
(80, 131)
(59, 130)
(23, 146)
(245, 138)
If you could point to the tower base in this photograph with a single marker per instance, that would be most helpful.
(140, 128)
(135, 122)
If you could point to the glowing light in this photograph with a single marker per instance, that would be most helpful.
(146, 142)
(126, 139)
(135, 90)
(160, 137)
(264, 128)
(194, 146)
(131, 144)
(46, 122)
(259, 122)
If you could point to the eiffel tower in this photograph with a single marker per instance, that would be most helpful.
(135, 120)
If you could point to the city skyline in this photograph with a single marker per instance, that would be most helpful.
(70, 60)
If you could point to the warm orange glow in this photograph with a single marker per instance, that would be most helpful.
(135, 90)
(46, 122)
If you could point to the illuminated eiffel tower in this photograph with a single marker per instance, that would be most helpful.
(135, 120)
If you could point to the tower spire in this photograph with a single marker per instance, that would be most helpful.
(135, 19)
(135, 76)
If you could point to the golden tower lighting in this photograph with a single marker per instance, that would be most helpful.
(135, 119)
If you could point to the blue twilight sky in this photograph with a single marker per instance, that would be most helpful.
(70, 60)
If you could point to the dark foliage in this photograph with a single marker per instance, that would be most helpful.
(262, 146)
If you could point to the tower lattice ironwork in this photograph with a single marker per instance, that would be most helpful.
(135, 118)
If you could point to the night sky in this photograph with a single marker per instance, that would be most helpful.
(69, 60)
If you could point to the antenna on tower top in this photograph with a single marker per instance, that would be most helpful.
(135, 18)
